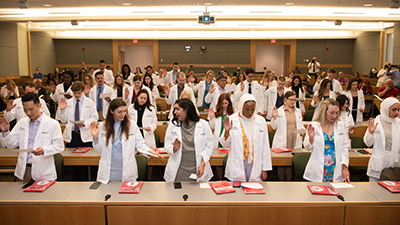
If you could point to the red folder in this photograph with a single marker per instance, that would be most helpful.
(223, 150)
(81, 150)
(392, 186)
(131, 187)
(253, 190)
(323, 190)
(161, 151)
(280, 150)
(221, 187)
(39, 186)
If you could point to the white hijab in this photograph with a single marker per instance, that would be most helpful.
(385, 105)
(246, 98)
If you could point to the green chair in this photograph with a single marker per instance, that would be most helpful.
(168, 115)
(310, 107)
(299, 162)
(157, 138)
(141, 162)
(202, 108)
(59, 164)
(308, 115)
(271, 135)
(225, 160)
(158, 107)
(357, 142)
(358, 171)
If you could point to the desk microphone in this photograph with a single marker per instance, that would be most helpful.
(108, 196)
(185, 197)
(340, 197)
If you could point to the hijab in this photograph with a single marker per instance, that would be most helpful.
(385, 105)
(246, 98)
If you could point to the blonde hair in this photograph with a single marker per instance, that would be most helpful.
(323, 107)
(187, 93)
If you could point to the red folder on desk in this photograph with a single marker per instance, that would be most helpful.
(161, 151)
(392, 186)
(39, 186)
(131, 187)
(323, 190)
(280, 150)
(253, 190)
(221, 187)
(223, 150)
(81, 150)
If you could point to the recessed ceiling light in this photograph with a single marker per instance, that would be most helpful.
(126, 3)
(207, 3)
(367, 5)
(289, 3)
(47, 5)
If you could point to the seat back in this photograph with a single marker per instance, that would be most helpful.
(308, 115)
(201, 108)
(158, 107)
(271, 135)
(59, 164)
(299, 162)
(357, 142)
(157, 138)
(141, 162)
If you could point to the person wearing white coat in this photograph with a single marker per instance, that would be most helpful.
(108, 74)
(217, 90)
(216, 117)
(148, 82)
(78, 135)
(135, 88)
(15, 109)
(144, 115)
(121, 89)
(383, 134)
(94, 94)
(272, 95)
(336, 86)
(38, 132)
(203, 88)
(345, 115)
(323, 93)
(327, 138)
(187, 141)
(354, 94)
(173, 93)
(297, 87)
(64, 88)
(286, 120)
(117, 145)
(246, 135)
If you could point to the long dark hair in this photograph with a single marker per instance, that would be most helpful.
(125, 76)
(115, 82)
(151, 85)
(237, 81)
(218, 107)
(109, 122)
(146, 104)
(352, 80)
(341, 99)
(322, 88)
(191, 114)
(300, 84)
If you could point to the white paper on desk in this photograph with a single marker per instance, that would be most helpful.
(105, 95)
(301, 131)
(22, 150)
(76, 121)
(193, 176)
(252, 185)
(204, 185)
(230, 88)
(342, 185)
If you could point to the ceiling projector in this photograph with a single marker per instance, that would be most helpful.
(206, 19)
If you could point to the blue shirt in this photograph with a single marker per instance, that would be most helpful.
(99, 101)
(116, 154)
(206, 90)
(38, 75)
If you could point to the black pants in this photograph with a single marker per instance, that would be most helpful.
(76, 141)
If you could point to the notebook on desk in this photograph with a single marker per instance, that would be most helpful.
(39, 186)
(323, 190)
(132, 187)
(253, 188)
(280, 150)
(222, 150)
(222, 187)
(392, 186)
(81, 150)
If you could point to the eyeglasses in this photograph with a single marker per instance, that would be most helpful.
(293, 100)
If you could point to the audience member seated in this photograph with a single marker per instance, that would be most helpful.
(373, 73)
(41, 91)
(10, 90)
(343, 80)
(38, 74)
(388, 90)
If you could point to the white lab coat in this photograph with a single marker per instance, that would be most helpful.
(155, 94)
(203, 150)
(256, 89)
(316, 105)
(129, 170)
(234, 170)
(280, 138)
(18, 111)
(200, 88)
(380, 158)
(168, 79)
(115, 93)
(173, 96)
(347, 120)
(88, 113)
(93, 97)
(215, 124)
(360, 104)
(314, 171)
(129, 100)
(156, 79)
(149, 119)
(108, 76)
(48, 137)
(57, 97)
(302, 96)
(212, 98)
(336, 86)
(272, 95)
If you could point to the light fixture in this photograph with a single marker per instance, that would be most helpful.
(289, 3)
(207, 3)
(126, 3)
(367, 4)
(47, 5)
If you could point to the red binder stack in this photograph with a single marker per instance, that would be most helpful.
(39, 186)
(131, 187)
(323, 190)
(392, 186)
(222, 187)
(253, 190)
(280, 150)
(81, 150)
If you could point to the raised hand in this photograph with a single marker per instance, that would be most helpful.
(315, 98)
(319, 79)
(62, 104)
(212, 89)
(242, 86)
(95, 130)
(166, 90)
(227, 124)
(371, 126)
(126, 93)
(311, 131)
(177, 145)
(4, 125)
(211, 113)
(10, 105)
(192, 79)
(274, 112)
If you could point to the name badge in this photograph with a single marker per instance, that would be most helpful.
(88, 107)
(131, 134)
(203, 134)
(261, 131)
(340, 133)
(174, 133)
(148, 115)
(21, 128)
(234, 128)
(44, 132)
